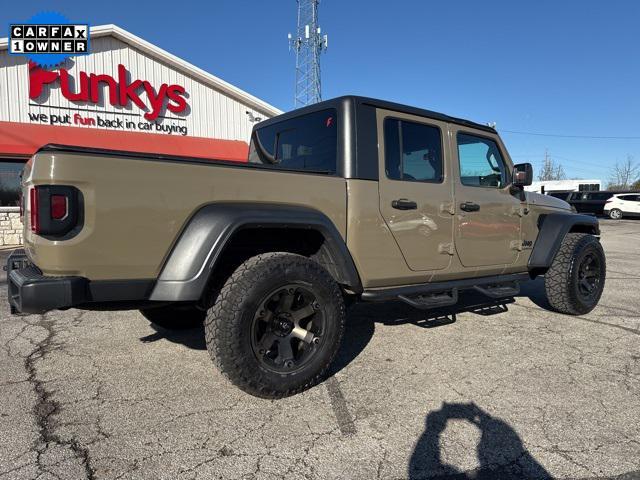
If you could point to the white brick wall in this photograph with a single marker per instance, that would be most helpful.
(10, 226)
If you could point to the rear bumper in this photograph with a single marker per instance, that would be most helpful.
(31, 292)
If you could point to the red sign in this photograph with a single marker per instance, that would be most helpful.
(121, 91)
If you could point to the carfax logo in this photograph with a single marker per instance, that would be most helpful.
(48, 39)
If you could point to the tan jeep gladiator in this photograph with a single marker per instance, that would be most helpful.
(349, 199)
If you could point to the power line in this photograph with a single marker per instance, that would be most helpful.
(539, 158)
(593, 165)
(557, 135)
(576, 167)
(576, 164)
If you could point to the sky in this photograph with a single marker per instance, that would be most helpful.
(566, 71)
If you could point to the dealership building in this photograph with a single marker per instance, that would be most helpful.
(126, 94)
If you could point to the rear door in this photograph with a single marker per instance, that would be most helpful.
(597, 200)
(487, 230)
(576, 200)
(416, 197)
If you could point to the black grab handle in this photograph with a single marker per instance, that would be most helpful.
(469, 207)
(404, 204)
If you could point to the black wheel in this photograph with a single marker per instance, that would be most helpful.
(276, 325)
(575, 281)
(615, 213)
(174, 317)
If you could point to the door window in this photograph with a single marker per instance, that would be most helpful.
(413, 151)
(599, 196)
(481, 164)
(628, 198)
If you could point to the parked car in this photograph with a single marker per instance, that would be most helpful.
(627, 205)
(589, 202)
(563, 195)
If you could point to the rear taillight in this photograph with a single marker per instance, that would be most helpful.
(34, 210)
(59, 206)
(609, 201)
(53, 209)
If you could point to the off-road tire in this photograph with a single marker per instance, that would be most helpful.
(228, 326)
(173, 317)
(615, 214)
(562, 279)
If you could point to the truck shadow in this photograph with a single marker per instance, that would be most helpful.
(189, 337)
(363, 317)
(534, 290)
(500, 451)
(358, 333)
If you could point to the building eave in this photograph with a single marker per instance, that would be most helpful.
(177, 63)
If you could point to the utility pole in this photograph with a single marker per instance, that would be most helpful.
(308, 44)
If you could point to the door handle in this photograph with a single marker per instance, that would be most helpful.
(469, 207)
(404, 204)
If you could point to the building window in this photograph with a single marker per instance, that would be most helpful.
(10, 177)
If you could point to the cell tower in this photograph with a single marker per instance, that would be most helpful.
(308, 44)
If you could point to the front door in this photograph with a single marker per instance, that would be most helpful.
(633, 204)
(487, 231)
(416, 197)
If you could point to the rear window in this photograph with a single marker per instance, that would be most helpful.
(560, 195)
(629, 198)
(306, 143)
(598, 196)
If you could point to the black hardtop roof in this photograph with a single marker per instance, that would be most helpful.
(398, 107)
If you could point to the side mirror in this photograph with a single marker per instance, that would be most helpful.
(522, 175)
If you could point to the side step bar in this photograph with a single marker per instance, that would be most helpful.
(433, 300)
(508, 289)
(442, 294)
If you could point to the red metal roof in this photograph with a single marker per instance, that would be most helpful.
(24, 139)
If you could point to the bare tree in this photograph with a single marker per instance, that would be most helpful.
(623, 174)
(551, 170)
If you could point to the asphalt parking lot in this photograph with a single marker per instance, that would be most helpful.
(485, 391)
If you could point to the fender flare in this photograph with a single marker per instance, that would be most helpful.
(188, 266)
(552, 229)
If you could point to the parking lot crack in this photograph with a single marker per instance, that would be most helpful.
(46, 408)
(635, 331)
(14, 469)
(7, 345)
